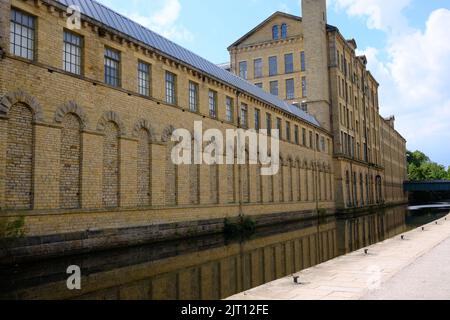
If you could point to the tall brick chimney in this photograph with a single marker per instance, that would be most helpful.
(316, 52)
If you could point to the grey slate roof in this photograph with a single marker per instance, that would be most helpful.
(118, 22)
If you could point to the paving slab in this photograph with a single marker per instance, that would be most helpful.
(415, 268)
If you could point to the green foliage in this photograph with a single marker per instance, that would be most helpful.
(243, 227)
(416, 158)
(11, 229)
(421, 168)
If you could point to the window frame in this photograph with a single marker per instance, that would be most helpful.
(290, 95)
(288, 131)
(275, 32)
(243, 115)
(257, 120)
(258, 68)
(243, 74)
(12, 35)
(291, 63)
(273, 61)
(269, 124)
(284, 31)
(304, 87)
(119, 66)
(229, 106)
(302, 61)
(296, 135)
(193, 96)
(167, 89)
(149, 80)
(81, 48)
(212, 103)
(277, 88)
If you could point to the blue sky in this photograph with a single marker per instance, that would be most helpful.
(403, 40)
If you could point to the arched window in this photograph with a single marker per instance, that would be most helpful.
(19, 158)
(275, 34)
(355, 191)
(111, 165)
(171, 183)
(299, 181)
(347, 183)
(361, 186)
(284, 31)
(214, 183)
(291, 181)
(70, 157)
(194, 183)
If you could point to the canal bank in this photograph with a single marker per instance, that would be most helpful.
(211, 267)
(402, 267)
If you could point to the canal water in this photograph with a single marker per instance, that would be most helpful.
(212, 267)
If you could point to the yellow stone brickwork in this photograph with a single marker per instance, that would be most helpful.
(365, 171)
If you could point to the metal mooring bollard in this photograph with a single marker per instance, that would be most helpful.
(366, 251)
(403, 237)
(296, 278)
(423, 228)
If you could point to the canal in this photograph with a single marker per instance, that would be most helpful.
(212, 267)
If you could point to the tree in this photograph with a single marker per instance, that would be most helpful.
(420, 168)
(417, 158)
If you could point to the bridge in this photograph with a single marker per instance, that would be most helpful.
(427, 186)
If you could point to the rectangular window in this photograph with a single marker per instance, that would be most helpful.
(289, 63)
(112, 67)
(144, 78)
(317, 142)
(290, 91)
(244, 116)
(171, 80)
(243, 69)
(193, 96)
(274, 88)
(302, 61)
(259, 85)
(258, 68)
(257, 119)
(212, 98)
(304, 137)
(322, 144)
(273, 66)
(72, 53)
(288, 131)
(304, 92)
(230, 111)
(269, 124)
(296, 133)
(22, 34)
(311, 142)
(280, 127)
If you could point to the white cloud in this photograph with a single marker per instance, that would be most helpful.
(383, 15)
(414, 78)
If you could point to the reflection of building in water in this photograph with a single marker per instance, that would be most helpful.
(207, 268)
(210, 274)
(358, 232)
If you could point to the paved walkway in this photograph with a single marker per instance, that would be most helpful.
(417, 267)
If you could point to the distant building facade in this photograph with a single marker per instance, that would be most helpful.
(308, 62)
(86, 117)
